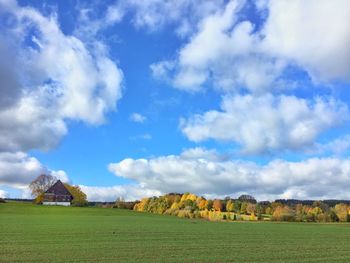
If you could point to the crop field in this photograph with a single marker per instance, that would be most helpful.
(30, 233)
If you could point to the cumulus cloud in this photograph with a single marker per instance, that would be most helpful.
(224, 51)
(19, 169)
(52, 77)
(137, 117)
(111, 193)
(233, 53)
(311, 178)
(267, 123)
(313, 34)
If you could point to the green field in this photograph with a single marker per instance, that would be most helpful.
(67, 234)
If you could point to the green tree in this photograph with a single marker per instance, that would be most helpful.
(333, 216)
(247, 198)
(237, 206)
(259, 210)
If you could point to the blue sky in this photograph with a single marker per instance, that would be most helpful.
(137, 98)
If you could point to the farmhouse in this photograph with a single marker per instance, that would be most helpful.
(57, 195)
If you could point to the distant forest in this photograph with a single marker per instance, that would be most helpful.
(244, 208)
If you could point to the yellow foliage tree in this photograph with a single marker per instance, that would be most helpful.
(342, 212)
(230, 206)
(202, 205)
(192, 197)
(79, 197)
(175, 206)
(141, 205)
(184, 197)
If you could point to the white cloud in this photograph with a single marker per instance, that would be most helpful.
(145, 136)
(314, 34)
(202, 153)
(234, 54)
(54, 77)
(115, 14)
(137, 117)
(60, 175)
(19, 169)
(338, 146)
(313, 178)
(225, 52)
(266, 123)
(111, 193)
(155, 14)
(3, 194)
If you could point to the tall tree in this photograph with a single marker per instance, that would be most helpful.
(247, 198)
(40, 184)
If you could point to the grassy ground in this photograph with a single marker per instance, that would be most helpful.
(31, 233)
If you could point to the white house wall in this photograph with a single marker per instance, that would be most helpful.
(57, 203)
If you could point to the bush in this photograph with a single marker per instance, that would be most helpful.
(2, 200)
(39, 199)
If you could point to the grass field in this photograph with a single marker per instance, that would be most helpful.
(66, 234)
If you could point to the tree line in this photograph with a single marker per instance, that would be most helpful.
(243, 208)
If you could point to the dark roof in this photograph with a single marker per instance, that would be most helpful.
(58, 189)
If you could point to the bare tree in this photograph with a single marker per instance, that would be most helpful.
(43, 182)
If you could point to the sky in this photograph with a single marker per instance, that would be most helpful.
(139, 98)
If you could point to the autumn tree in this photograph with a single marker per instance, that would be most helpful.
(173, 198)
(40, 185)
(283, 213)
(203, 204)
(268, 210)
(79, 197)
(230, 206)
(217, 205)
(243, 209)
(299, 213)
(321, 205)
(210, 204)
(259, 211)
(251, 208)
(142, 205)
(237, 206)
(342, 212)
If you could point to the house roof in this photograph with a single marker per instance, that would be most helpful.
(58, 189)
